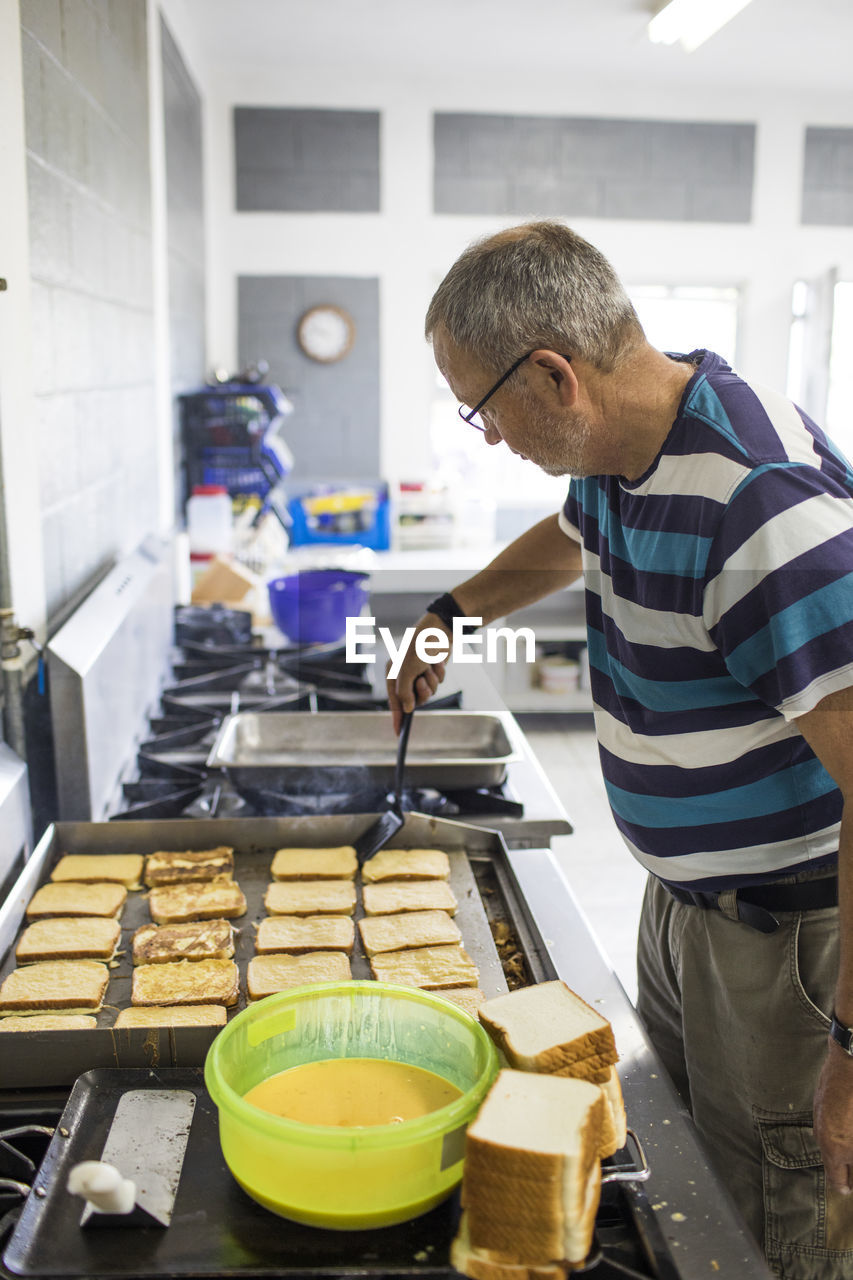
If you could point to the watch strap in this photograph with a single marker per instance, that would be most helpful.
(446, 608)
(841, 1035)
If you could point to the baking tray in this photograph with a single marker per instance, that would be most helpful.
(30, 1059)
(283, 750)
(216, 1229)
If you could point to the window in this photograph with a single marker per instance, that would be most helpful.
(687, 317)
(675, 318)
(820, 376)
(839, 403)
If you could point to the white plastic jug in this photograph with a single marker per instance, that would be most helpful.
(209, 520)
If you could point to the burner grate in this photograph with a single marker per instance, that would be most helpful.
(22, 1148)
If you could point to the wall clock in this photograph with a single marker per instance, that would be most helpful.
(326, 333)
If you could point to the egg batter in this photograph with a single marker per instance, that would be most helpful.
(353, 1092)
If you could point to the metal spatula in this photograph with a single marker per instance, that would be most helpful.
(377, 836)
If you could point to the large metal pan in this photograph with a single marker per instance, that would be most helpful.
(53, 1058)
(353, 750)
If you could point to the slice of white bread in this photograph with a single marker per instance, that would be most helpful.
(406, 864)
(339, 863)
(596, 1070)
(54, 985)
(616, 1128)
(189, 866)
(468, 998)
(532, 1172)
(49, 1022)
(175, 903)
(69, 938)
(489, 1264)
(407, 929)
(430, 968)
(548, 1028)
(310, 897)
(408, 895)
(186, 982)
(191, 940)
(187, 1015)
(91, 868)
(296, 934)
(72, 898)
(267, 974)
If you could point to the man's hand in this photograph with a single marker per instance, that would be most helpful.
(833, 1118)
(417, 680)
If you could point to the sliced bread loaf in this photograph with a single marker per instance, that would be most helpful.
(532, 1173)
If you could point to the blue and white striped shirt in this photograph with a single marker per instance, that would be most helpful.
(719, 601)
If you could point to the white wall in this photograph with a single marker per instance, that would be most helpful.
(409, 248)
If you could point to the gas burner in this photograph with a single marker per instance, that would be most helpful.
(212, 624)
(218, 802)
(22, 1148)
(269, 681)
(266, 802)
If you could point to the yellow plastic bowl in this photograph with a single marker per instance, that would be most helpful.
(347, 1178)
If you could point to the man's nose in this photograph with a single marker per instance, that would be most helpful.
(491, 434)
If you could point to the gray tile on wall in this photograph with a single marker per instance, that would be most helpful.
(86, 117)
(185, 234)
(334, 429)
(828, 177)
(586, 167)
(291, 159)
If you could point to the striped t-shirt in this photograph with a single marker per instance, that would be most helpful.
(719, 601)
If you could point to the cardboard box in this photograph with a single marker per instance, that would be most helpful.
(226, 582)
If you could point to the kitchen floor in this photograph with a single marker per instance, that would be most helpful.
(605, 879)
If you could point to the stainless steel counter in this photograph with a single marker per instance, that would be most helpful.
(685, 1200)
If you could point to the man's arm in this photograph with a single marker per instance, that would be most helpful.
(541, 561)
(828, 730)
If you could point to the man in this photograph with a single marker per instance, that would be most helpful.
(713, 524)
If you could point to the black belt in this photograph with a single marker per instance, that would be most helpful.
(756, 904)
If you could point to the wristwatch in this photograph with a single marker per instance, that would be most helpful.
(841, 1035)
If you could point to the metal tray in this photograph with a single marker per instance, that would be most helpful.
(216, 1229)
(30, 1059)
(357, 749)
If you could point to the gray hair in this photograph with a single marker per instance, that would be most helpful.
(536, 285)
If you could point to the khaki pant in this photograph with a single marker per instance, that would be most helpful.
(739, 1019)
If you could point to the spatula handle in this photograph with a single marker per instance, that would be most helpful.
(402, 745)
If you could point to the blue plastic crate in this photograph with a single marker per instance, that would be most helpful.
(333, 517)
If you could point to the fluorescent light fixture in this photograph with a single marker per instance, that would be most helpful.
(692, 21)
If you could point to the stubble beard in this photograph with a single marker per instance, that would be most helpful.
(563, 453)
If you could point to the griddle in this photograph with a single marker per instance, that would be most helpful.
(215, 1229)
(31, 1059)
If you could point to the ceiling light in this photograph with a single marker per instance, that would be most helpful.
(692, 21)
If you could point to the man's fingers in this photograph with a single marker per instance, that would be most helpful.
(429, 679)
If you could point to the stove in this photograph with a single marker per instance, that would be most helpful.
(221, 667)
(130, 748)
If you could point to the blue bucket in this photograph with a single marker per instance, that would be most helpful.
(312, 607)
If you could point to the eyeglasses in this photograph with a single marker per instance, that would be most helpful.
(472, 416)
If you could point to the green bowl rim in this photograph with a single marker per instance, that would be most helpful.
(444, 1120)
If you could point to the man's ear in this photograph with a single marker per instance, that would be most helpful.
(552, 375)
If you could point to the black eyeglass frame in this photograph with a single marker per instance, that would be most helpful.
(471, 414)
